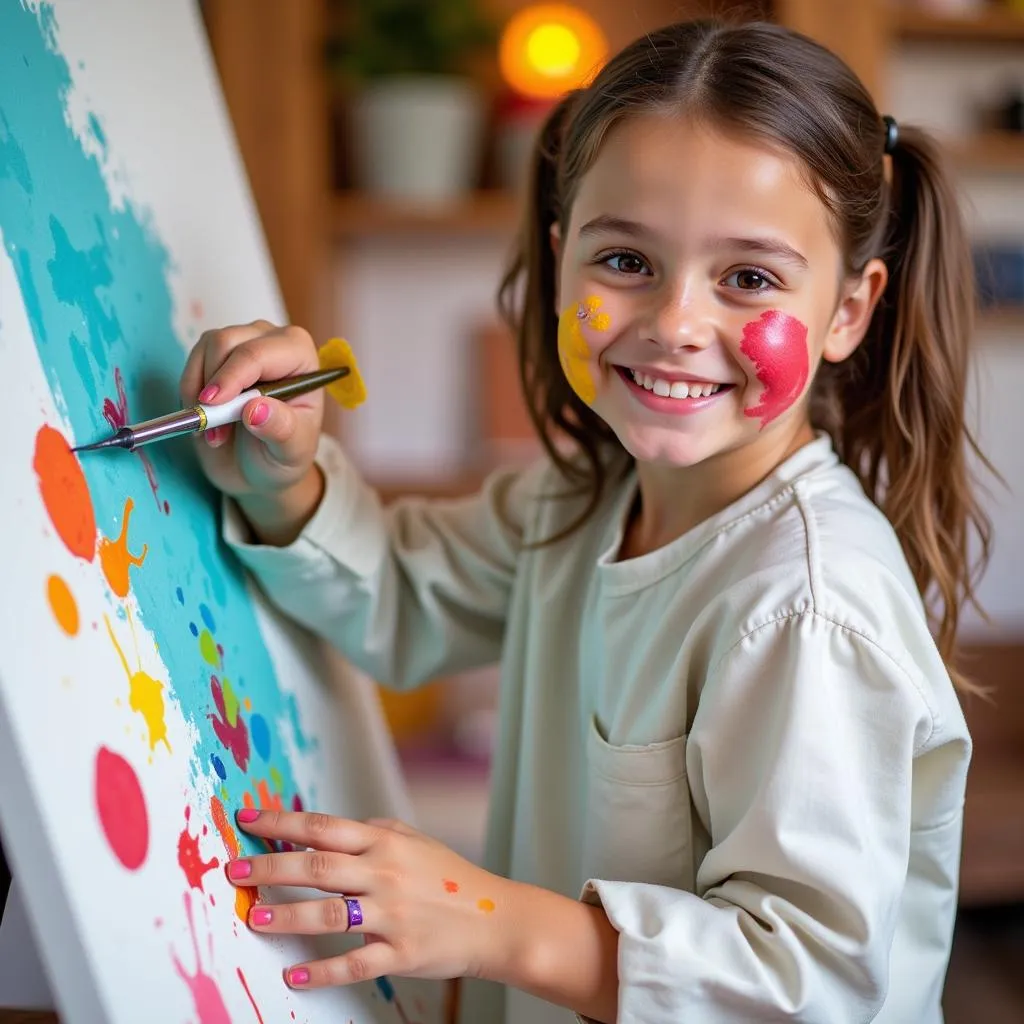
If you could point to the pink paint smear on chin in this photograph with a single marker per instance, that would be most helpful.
(776, 344)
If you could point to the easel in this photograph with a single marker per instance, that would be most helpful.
(8, 899)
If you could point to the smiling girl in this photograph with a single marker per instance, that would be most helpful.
(730, 775)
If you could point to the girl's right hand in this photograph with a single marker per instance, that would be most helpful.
(266, 459)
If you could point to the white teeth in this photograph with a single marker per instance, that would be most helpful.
(674, 389)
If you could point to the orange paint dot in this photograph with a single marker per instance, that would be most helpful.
(487, 906)
(263, 792)
(450, 886)
(115, 557)
(62, 604)
(223, 826)
(245, 900)
(65, 493)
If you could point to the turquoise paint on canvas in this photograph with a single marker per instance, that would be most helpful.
(95, 283)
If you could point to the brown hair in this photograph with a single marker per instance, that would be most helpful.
(895, 409)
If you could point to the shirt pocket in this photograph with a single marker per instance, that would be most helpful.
(637, 825)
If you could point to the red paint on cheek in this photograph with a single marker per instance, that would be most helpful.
(776, 344)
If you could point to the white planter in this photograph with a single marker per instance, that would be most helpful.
(416, 138)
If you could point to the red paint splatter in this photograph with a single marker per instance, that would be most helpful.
(190, 860)
(206, 997)
(122, 808)
(234, 737)
(245, 985)
(116, 414)
(776, 344)
(450, 886)
(65, 493)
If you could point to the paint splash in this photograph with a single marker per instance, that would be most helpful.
(116, 414)
(776, 343)
(228, 724)
(573, 351)
(145, 696)
(248, 992)
(65, 493)
(121, 807)
(116, 559)
(245, 896)
(189, 858)
(62, 604)
(485, 905)
(450, 886)
(206, 997)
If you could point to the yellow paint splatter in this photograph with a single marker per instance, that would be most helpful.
(145, 696)
(276, 779)
(116, 559)
(573, 351)
(208, 648)
(62, 604)
(248, 704)
(487, 906)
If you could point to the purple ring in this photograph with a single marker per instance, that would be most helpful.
(355, 912)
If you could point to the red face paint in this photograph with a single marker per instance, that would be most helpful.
(777, 346)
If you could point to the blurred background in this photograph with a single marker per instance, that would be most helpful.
(385, 141)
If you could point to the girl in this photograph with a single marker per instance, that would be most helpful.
(730, 775)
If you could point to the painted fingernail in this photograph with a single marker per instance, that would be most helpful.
(247, 815)
(261, 916)
(299, 976)
(209, 393)
(212, 436)
(259, 415)
(238, 869)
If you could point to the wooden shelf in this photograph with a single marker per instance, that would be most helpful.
(1007, 318)
(357, 216)
(999, 152)
(994, 25)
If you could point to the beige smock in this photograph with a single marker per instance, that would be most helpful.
(744, 745)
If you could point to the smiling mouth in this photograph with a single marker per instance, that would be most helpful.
(679, 389)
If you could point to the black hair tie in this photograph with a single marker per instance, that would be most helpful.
(892, 133)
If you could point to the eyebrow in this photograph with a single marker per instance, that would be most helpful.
(634, 229)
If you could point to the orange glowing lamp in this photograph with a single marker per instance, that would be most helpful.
(548, 49)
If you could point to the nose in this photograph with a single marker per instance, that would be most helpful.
(678, 317)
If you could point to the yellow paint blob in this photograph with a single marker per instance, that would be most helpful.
(487, 906)
(573, 350)
(116, 559)
(145, 696)
(62, 604)
(350, 391)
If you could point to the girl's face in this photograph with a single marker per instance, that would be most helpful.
(699, 287)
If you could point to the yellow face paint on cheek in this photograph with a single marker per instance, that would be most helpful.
(573, 351)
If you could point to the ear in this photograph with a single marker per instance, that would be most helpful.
(555, 237)
(856, 307)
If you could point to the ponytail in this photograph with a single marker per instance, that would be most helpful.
(527, 301)
(902, 426)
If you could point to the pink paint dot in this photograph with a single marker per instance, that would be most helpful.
(121, 807)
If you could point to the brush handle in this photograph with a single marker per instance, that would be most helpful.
(228, 412)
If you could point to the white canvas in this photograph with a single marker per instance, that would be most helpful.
(145, 686)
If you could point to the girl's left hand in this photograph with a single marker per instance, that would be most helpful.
(426, 911)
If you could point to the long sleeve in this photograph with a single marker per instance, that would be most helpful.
(406, 593)
(800, 760)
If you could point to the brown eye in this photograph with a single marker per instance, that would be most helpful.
(749, 280)
(626, 263)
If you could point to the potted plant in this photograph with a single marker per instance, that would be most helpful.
(416, 116)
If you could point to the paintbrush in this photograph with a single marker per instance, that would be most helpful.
(338, 373)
